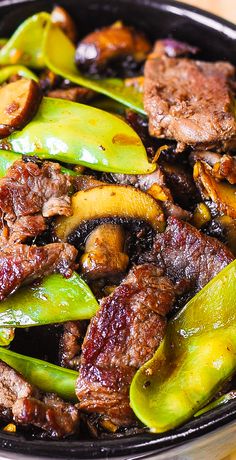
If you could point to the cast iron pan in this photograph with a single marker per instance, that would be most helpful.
(217, 40)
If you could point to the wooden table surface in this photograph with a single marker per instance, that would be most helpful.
(226, 9)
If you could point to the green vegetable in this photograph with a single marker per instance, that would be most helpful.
(79, 134)
(7, 72)
(55, 300)
(38, 43)
(197, 355)
(218, 402)
(59, 54)
(6, 336)
(25, 45)
(46, 376)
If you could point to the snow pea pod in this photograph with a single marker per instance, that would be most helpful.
(6, 336)
(197, 355)
(79, 134)
(46, 376)
(59, 54)
(218, 402)
(54, 300)
(7, 72)
(25, 45)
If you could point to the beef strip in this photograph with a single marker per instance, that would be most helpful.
(190, 258)
(19, 401)
(29, 193)
(53, 415)
(122, 336)
(21, 264)
(189, 101)
(70, 343)
(75, 94)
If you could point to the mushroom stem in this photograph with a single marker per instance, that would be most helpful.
(104, 252)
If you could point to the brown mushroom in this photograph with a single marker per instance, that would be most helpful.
(222, 194)
(104, 252)
(223, 166)
(110, 44)
(110, 202)
(62, 19)
(19, 103)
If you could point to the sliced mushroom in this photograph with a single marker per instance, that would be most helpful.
(107, 202)
(224, 228)
(19, 103)
(109, 44)
(223, 166)
(104, 252)
(62, 19)
(221, 193)
(74, 94)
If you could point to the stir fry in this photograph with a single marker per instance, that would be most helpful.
(118, 231)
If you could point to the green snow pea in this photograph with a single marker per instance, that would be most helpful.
(218, 402)
(79, 134)
(25, 45)
(197, 355)
(7, 72)
(46, 376)
(59, 54)
(55, 300)
(6, 336)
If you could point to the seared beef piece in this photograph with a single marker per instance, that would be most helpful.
(75, 94)
(52, 414)
(190, 258)
(154, 184)
(223, 166)
(12, 387)
(189, 101)
(21, 264)
(19, 399)
(70, 343)
(122, 336)
(30, 192)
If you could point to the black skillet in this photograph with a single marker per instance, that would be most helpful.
(217, 40)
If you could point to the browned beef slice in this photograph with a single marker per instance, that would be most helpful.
(76, 94)
(20, 264)
(52, 414)
(188, 256)
(121, 337)
(12, 386)
(70, 343)
(189, 101)
(29, 193)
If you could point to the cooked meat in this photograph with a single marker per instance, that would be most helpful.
(122, 336)
(70, 343)
(223, 166)
(189, 101)
(30, 192)
(181, 184)
(52, 414)
(76, 94)
(21, 264)
(187, 256)
(12, 387)
(155, 185)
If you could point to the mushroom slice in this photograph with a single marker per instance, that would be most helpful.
(19, 102)
(110, 43)
(222, 193)
(62, 19)
(110, 201)
(104, 252)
